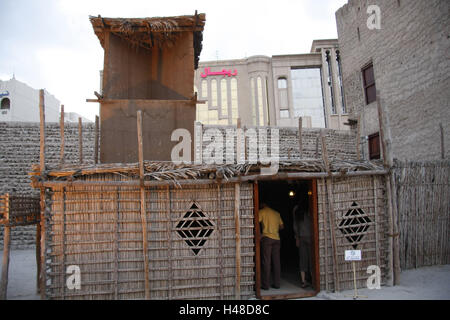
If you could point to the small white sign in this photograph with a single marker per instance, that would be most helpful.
(352, 255)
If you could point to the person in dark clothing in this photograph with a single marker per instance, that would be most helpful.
(302, 231)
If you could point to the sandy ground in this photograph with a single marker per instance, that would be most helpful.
(428, 283)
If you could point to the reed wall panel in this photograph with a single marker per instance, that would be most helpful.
(369, 195)
(99, 229)
(423, 202)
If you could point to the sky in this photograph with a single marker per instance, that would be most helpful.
(51, 44)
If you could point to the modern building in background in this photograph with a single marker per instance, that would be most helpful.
(274, 91)
(406, 59)
(20, 102)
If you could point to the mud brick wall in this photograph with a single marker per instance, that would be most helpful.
(411, 67)
(19, 149)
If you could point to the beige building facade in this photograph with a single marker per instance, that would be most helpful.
(274, 91)
(400, 49)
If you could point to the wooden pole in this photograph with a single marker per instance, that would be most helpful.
(80, 139)
(358, 139)
(257, 239)
(38, 256)
(239, 137)
(300, 142)
(237, 225)
(43, 278)
(96, 140)
(442, 141)
(6, 247)
(393, 257)
(42, 130)
(5, 262)
(279, 176)
(143, 209)
(331, 211)
(61, 128)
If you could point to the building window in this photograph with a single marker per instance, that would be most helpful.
(341, 83)
(214, 93)
(283, 97)
(307, 95)
(234, 101)
(369, 84)
(254, 103)
(374, 146)
(260, 101)
(6, 104)
(224, 97)
(204, 91)
(330, 81)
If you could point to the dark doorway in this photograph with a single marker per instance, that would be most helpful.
(282, 196)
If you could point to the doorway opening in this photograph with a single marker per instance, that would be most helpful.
(283, 196)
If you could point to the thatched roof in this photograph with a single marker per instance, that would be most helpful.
(150, 32)
(168, 171)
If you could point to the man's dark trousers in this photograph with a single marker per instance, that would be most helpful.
(270, 262)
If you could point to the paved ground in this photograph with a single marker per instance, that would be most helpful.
(428, 283)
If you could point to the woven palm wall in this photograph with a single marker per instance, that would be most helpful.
(191, 241)
(360, 222)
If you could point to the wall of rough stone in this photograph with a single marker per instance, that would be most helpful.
(341, 144)
(19, 145)
(410, 55)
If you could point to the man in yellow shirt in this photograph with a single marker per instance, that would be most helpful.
(270, 245)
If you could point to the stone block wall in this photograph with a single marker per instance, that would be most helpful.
(19, 144)
(341, 144)
(19, 149)
(410, 56)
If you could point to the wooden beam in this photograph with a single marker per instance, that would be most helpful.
(143, 209)
(61, 132)
(43, 274)
(300, 142)
(80, 139)
(257, 177)
(441, 128)
(257, 240)
(38, 257)
(6, 248)
(96, 140)
(237, 225)
(358, 139)
(5, 262)
(42, 130)
(331, 216)
(393, 257)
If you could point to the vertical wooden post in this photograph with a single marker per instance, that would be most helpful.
(257, 239)
(143, 209)
(61, 128)
(300, 142)
(220, 237)
(96, 140)
(6, 248)
(198, 142)
(237, 225)
(38, 256)
(5, 262)
(331, 211)
(358, 139)
(239, 137)
(80, 139)
(442, 141)
(43, 278)
(116, 245)
(394, 256)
